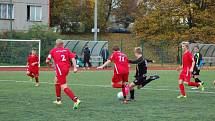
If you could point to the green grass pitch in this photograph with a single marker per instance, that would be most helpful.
(21, 101)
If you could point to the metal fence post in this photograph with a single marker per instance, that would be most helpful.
(180, 54)
(11, 20)
(142, 45)
(121, 44)
(162, 51)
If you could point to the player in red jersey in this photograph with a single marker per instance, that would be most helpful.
(188, 64)
(121, 70)
(62, 57)
(33, 66)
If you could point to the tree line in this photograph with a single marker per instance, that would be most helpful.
(171, 20)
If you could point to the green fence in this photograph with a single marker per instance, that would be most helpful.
(162, 52)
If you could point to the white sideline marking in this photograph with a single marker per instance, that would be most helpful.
(107, 86)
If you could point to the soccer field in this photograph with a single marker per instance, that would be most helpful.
(21, 101)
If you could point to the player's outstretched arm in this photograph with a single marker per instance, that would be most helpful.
(105, 64)
(74, 65)
(135, 61)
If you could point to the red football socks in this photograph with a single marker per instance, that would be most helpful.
(116, 85)
(70, 94)
(181, 87)
(123, 91)
(194, 84)
(58, 90)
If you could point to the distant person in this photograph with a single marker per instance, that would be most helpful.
(188, 64)
(198, 64)
(87, 55)
(33, 66)
(62, 57)
(105, 54)
(141, 79)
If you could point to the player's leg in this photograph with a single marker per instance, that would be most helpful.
(62, 80)
(181, 85)
(146, 80)
(125, 87)
(85, 62)
(116, 85)
(30, 74)
(194, 84)
(36, 74)
(88, 63)
(69, 92)
(124, 92)
(37, 80)
(122, 85)
(71, 95)
(182, 89)
(196, 76)
(116, 81)
(139, 82)
(58, 92)
(132, 85)
(151, 78)
(62, 72)
(125, 81)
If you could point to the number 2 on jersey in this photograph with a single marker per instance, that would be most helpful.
(121, 58)
(63, 58)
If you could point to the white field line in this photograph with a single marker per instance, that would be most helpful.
(108, 86)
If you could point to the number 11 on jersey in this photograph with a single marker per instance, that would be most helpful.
(121, 58)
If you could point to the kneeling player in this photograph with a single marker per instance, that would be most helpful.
(188, 64)
(62, 57)
(33, 66)
(141, 72)
(121, 70)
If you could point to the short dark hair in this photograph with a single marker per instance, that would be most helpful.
(116, 48)
(35, 49)
(196, 46)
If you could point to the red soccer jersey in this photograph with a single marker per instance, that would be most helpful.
(61, 56)
(120, 62)
(33, 59)
(187, 60)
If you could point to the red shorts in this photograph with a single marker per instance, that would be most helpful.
(119, 78)
(185, 75)
(61, 73)
(33, 71)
